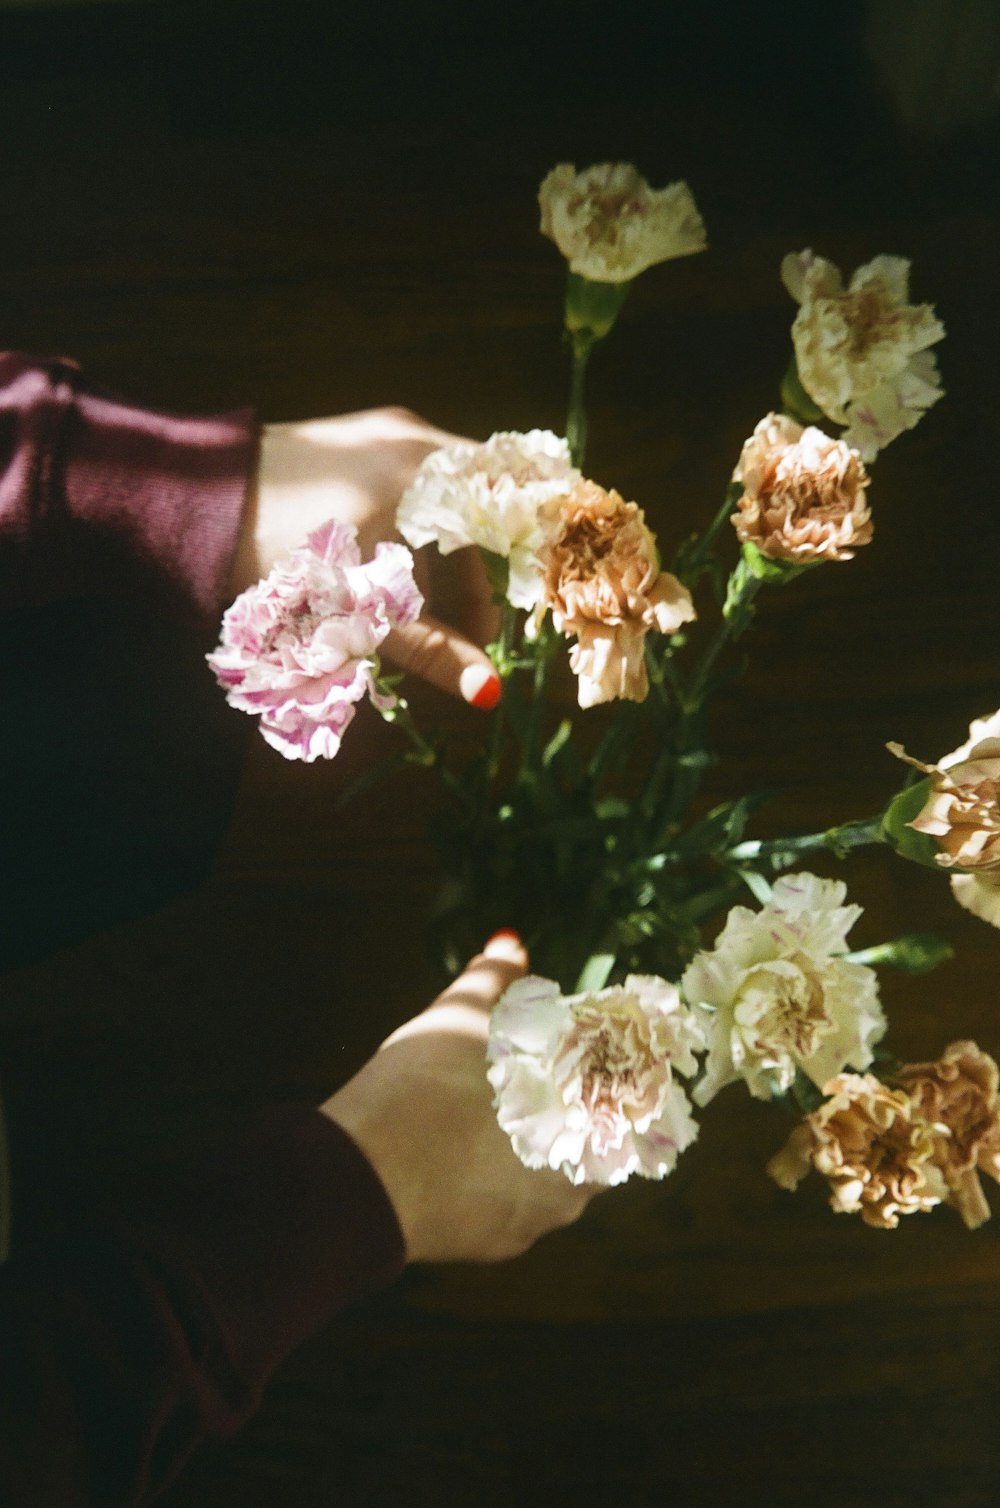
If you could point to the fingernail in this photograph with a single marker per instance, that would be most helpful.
(504, 944)
(480, 686)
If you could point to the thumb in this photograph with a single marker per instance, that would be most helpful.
(437, 653)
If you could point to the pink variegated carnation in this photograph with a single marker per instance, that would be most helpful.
(300, 649)
(586, 1083)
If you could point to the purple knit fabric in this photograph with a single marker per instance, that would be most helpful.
(124, 1346)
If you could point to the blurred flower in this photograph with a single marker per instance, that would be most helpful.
(300, 648)
(862, 352)
(585, 1083)
(804, 497)
(780, 997)
(962, 815)
(958, 1096)
(602, 581)
(610, 225)
(489, 495)
(876, 1151)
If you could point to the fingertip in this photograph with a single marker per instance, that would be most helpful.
(480, 686)
(507, 946)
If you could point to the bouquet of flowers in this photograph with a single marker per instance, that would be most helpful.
(580, 820)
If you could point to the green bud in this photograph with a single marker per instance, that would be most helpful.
(592, 308)
(902, 810)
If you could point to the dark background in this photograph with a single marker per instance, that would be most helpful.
(317, 208)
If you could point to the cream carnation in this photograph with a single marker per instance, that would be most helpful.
(804, 494)
(586, 1083)
(862, 351)
(489, 495)
(300, 649)
(780, 996)
(610, 225)
(874, 1148)
(962, 815)
(602, 581)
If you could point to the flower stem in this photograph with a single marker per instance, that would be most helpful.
(576, 418)
(781, 852)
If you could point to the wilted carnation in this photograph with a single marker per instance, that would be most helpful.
(804, 494)
(871, 1144)
(300, 649)
(602, 580)
(780, 996)
(610, 225)
(585, 1083)
(962, 815)
(489, 495)
(862, 352)
(957, 1095)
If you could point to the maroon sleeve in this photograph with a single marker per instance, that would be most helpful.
(92, 486)
(122, 1350)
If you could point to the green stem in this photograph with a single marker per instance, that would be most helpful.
(781, 852)
(691, 560)
(576, 418)
(424, 753)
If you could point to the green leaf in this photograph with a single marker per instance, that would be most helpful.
(914, 953)
(757, 884)
(595, 973)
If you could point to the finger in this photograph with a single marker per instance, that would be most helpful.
(441, 655)
(470, 596)
(463, 1009)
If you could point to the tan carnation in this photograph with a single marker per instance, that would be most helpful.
(804, 494)
(962, 815)
(876, 1152)
(958, 1096)
(602, 581)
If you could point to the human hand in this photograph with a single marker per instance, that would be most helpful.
(355, 468)
(421, 1111)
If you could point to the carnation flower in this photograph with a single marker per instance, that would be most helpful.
(610, 225)
(958, 1096)
(585, 1083)
(862, 352)
(876, 1150)
(804, 494)
(962, 815)
(300, 649)
(489, 495)
(601, 578)
(780, 996)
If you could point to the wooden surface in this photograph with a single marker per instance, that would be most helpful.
(313, 211)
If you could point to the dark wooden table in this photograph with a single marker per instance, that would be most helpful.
(316, 210)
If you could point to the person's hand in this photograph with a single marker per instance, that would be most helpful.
(355, 468)
(421, 1111)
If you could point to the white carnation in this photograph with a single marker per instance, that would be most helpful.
(861, 352)
(490, 495)
(610, 225)
(779, 995)
(585, 1083)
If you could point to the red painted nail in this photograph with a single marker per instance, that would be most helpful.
(480, 685)
(505, 932)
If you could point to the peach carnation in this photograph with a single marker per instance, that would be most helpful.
(876, 1151)
(610, 225)
(957, 1095)
(602, 581)
(587, 1083)
(861, 352)
(962, 815)
(804, 494)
